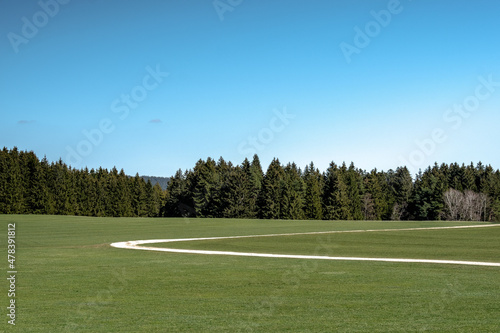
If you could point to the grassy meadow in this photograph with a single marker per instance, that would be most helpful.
(70, 280)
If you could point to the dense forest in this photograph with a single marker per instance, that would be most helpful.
(32, 186)
(220, 189)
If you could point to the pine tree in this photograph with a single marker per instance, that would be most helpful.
(235, 194)
(58, 187)
(151, 209)
(427, 202)
(36, 188)
(138, 194)
(313, 193)
(373, 201)
(220, 201)
(179, 202)
(354, 184)
(292, 194)
(4, 175)
(11, 183)
(206, 181)
(113, 202)
(400, 185)
(159, 196)
(16, 184)
(270, 198)
(84, 199)
(454, 177)
(72, 191)
(469, 178)
(254, 176)
(335, 196)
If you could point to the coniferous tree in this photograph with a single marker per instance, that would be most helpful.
(224, 172)
(335, 196)
(150, 204)
(113, 201)
(15, 184)
(292, 194)
(236, 194)
(427, 202)
(469, 178)
(400, 184)
(85, 195)
(73, 192)
(58, 187)
(36, 196)
(102, 202)
(270, 198)
(354, 184)
(123, 190)
(313, 192)
(4, 181)
(205, 183)
(138, 194)
(179, 198)
(491, 187)
(373, 201)
(454, 177)
(249, 189)
(255, 176)
(158, 200)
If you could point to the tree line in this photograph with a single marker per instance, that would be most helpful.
(29, 185)
(220, 189)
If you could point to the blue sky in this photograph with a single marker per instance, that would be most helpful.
(153, 86)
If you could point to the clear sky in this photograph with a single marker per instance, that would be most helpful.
(153, 86)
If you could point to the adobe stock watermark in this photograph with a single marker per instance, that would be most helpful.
(31, 26)
(363, 37)
(266, 135)
(223, 6)
(120, 106)
(453, 116)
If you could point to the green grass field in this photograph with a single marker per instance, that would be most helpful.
(70, 280)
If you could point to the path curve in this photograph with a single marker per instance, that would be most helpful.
(136, 245)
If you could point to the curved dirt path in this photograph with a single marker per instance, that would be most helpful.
(136, 245)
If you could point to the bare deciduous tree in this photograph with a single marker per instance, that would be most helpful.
(453, 200)
(398, 211)
(467, 206)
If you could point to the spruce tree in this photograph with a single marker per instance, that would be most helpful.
(270, 198)
(335, 194)
(179, 201)
(427, 201)
(400, 186)
(292, 193)
(222, 183)
(206, 181)
(373, 200)
(313, 192)
(37, 197)
(354, 184)
(4, 184)
(235, 194)
(58, 187)
(255, 176)
(16, 184)
(138, 194)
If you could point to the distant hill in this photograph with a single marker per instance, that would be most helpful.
(163, 181)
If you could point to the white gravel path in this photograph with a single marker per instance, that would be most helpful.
(136, 245)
